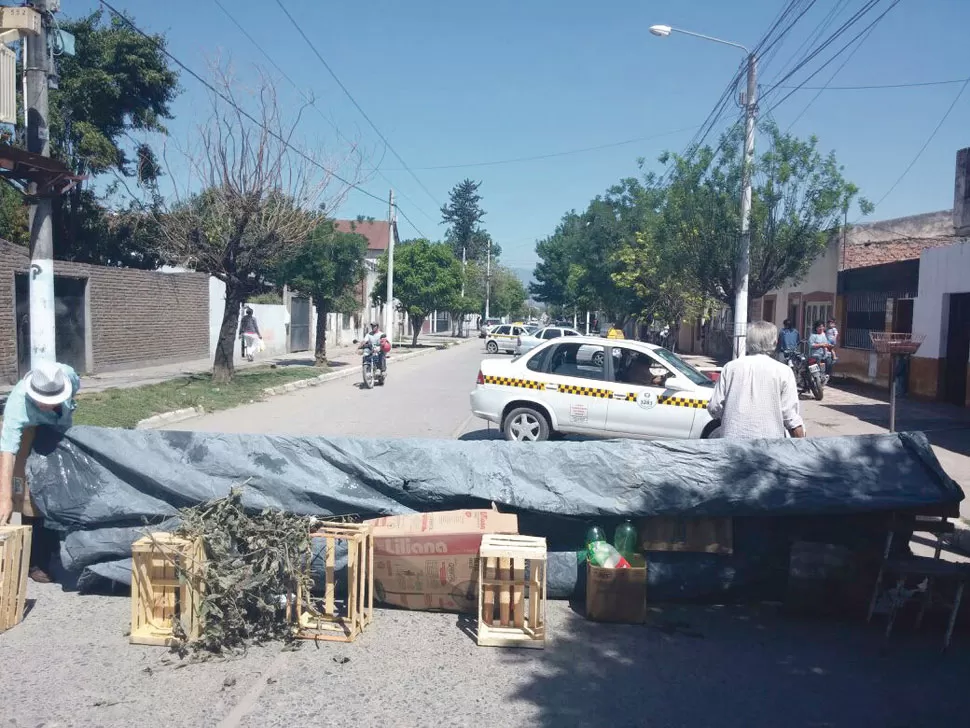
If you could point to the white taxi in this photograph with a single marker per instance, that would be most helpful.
(625, 389)
(503, 337)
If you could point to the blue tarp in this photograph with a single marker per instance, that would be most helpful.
(104, 487)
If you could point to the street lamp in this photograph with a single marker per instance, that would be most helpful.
(750, 111)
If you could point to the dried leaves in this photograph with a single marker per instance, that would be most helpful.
(253, 562)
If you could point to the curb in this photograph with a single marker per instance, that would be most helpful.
(165, 418)
(188, 413)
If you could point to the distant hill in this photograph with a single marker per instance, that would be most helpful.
(524, 275)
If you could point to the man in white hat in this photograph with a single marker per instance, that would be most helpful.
(44, 397)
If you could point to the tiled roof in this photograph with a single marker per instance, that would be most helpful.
(376, 232)
(861, 255)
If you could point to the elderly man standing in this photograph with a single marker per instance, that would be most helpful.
(44, 397)
(756, 395)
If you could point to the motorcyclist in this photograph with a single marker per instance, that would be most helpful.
(372, 341)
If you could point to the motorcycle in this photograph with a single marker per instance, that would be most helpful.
(371, 367)
(808, 373)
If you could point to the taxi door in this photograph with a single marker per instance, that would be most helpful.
(576, 388)
(642, 409)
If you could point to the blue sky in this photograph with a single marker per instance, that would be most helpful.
(457, 83)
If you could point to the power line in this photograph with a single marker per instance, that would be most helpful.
(925, 144)
(227, 99)
(864, 31)
(416, 229)
(829, 41)
(353, 100)
(552, 155)
(917, 84)
(309, 100)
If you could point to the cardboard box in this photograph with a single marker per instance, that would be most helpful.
(429, 561)
(693, 535)
(617, 595)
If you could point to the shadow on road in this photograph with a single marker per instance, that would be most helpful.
(736, 667)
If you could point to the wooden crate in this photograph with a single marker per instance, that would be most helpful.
(512, 591)
(14, 565)
(327, 618)
(166, 585)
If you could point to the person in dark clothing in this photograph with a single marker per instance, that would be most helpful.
(249, 334)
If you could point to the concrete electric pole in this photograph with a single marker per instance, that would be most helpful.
(750, 113)
(389, 303)
(744, 264)
(488, 277)
(36, 72)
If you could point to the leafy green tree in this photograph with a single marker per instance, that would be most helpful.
(427, 277)
(462, 214)
(117, 86)
(13, 216)
(328, 267)
(798, 197)
(508, 293)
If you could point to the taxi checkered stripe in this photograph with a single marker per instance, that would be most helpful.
(584, 391)
(510, 382)
(592, 391)
(683, 402)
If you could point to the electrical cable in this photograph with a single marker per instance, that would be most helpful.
(309, 100)
(350, 96)
(227, 99)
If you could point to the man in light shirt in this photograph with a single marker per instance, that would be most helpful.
(756, 396)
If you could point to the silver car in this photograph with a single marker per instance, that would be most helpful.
(527, 343)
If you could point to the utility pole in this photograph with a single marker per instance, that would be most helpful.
(36, 72)
(744, 264)
(488, 276)
(389, 312)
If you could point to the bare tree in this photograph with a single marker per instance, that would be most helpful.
(251, 196)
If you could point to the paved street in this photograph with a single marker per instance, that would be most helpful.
(69, 663)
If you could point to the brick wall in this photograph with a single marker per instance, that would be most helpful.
(136, 318)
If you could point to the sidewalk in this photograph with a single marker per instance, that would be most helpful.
(126, 378)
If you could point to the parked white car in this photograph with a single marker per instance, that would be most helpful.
(503, 337)
(623, 389)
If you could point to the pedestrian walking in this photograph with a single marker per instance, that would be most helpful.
(756, 396)
(249, 334)
(45, 397)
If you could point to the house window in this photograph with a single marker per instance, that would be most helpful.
(864, 312)
(768, 310)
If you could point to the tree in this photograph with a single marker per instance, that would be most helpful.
(798, 197)
(463, 213)
(508, 293)
(427, 277)
(328, 267)
(118, 85)
(259, 201)
(13, 216)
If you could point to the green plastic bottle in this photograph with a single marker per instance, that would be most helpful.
(625, 539)
(595, 533)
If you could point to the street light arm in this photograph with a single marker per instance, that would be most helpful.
(710, 37)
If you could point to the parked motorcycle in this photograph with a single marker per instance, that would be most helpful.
(808, 373)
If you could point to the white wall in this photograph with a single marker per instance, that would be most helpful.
(270, 318)
(822, 276)
(942, 271)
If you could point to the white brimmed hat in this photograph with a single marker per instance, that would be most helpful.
(48, 384)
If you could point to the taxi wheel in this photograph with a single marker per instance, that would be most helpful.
(492, 347)
(526, 425)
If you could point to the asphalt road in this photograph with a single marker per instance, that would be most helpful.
(69, 663)
(426, 396)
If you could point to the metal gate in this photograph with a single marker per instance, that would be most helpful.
(299, 324)
(69, 323)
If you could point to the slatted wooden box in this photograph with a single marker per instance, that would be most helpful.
(512, 591)
(14, 565)
(167, 585)
(329, 618)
